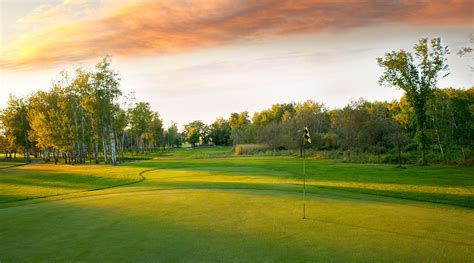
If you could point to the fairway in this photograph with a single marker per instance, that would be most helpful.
(207, 206)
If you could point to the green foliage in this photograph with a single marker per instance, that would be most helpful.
(80, 118)
(15, 123)
(274, 114)
(196, 132)
(146, 126)
(417, 75)
(220, 132)
(242, 130)
(172, 136)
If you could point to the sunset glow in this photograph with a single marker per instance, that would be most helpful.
(220, 35)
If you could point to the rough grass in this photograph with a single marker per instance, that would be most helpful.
(247, 149)
(196, 207)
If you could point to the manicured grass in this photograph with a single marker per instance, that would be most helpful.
(11, 163)
(202, 205)
(441, 184)
(233, 226)
(199, 152)
(40, 181)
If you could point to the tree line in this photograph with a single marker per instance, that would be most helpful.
(81, 118)
(361, 126)
(85, 116)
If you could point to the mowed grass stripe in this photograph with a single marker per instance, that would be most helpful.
(449, 184)
(281, 173)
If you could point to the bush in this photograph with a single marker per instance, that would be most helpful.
(358, 155)
(246, 149)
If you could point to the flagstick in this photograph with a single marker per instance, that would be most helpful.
(304, 182)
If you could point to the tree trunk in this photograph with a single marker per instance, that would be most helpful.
(55, 156)
(137, 147)
(421, 126)
(113, 147)
(44, 155)
(123, 145)
(104, 146)
(76, 151)
(438, 139)
(83, 148)
(423, 147)
(96, 153)
(27, 150)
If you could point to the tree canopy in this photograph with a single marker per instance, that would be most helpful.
(417, 74)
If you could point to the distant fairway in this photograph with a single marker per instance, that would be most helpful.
(8, 164)
(207, 206)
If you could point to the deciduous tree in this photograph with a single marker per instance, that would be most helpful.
(417, 74)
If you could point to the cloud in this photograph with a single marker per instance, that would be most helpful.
(218, 67)
(46, 15)
(76, 30)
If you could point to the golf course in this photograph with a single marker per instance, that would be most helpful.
(208, 205)
(241, 131)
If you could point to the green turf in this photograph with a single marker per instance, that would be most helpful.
(41, 181)
(442, 184)
(10, 163)
(200, 152)
(201, 205)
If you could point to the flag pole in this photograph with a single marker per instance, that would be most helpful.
(306, 139)
(304, 181)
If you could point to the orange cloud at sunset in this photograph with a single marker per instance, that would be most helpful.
(77, 30)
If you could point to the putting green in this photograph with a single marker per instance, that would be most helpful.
(234, 225)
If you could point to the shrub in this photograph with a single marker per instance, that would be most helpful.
(246, 149)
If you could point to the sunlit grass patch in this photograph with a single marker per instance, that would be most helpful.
(440, 184)
(42, 180)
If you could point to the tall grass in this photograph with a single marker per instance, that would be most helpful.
(247, 149)
(359, 156)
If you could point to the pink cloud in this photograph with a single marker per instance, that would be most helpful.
(166, 26)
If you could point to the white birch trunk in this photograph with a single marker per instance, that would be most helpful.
(104, 146)
(113, 147)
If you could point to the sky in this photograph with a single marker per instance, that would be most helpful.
(205, 59)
